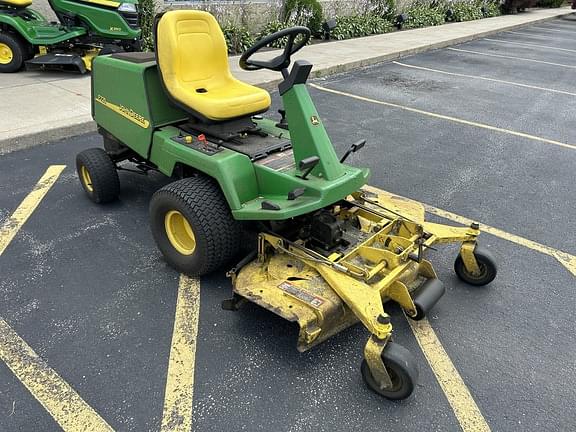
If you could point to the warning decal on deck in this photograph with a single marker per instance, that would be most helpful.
(301, 295)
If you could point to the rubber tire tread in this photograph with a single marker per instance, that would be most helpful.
(398, 358)
(103, 173)
(484, 257)
(18, 52)
(218, 234)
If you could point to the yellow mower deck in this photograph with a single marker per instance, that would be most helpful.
(325, 293)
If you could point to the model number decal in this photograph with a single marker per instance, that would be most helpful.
(128, 113)
(301, 295)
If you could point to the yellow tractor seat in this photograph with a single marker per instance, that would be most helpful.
(192, 57)
(17, 3)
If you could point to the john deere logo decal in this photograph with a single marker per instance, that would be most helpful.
(124, 112)
(315, 120)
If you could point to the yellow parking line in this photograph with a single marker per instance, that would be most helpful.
(467, 412)
(10, 226)
(55, 395)
(483, 78)
(512, 57)
(179, 395)
(449, 118)
(566, 259)
(531, 45)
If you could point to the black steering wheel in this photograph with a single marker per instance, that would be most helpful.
(282, 61)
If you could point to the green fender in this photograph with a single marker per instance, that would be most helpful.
(39, 31)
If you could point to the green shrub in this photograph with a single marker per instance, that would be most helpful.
(238, 38)
(550, 3)
(306, 13)
(492, 9)
(146, 18)
(273, 27)
(422, 15)
(465, 11)
(383, 8)
(348, 27)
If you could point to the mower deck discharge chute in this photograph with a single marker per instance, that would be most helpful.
(330, 252)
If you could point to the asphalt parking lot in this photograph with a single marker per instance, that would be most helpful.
(484, 130)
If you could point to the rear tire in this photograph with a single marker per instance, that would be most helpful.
(193, 227)
(13, 52)
(98, 175)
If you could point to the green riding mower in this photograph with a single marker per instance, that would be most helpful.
(86, 28)
(330, 251)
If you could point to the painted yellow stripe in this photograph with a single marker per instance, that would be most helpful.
(55, 395)
(127, 113)
(178, 399)
(458, 395)
(566, 259)
(484, 79)
(512, 57)
(445, 117)
(530, 45)
(10, 227)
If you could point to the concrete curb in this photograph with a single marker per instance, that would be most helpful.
(46, 136)
(58, 133)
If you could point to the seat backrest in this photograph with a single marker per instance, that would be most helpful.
(191, 50)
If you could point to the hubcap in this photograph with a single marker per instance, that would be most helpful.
(86, 179)
(6, 54)
(179, 232)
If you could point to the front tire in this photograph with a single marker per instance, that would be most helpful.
(13, 52)
(98, 175)
(487, 264)
(402, 369)
(193, 227)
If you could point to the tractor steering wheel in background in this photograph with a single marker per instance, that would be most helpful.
(282, 61)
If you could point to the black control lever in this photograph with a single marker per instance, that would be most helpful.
(307, 165)
(353, 149)
(283, 124)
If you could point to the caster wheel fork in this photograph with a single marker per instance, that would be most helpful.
(475, 265)
(389, 369)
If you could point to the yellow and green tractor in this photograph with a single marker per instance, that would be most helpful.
(85, 29)
(328, 251)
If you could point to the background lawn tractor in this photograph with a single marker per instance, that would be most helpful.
(86, 29)
(328, 253)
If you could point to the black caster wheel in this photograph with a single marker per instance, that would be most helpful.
(487, 264)
(426, 297)
(402, 369)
